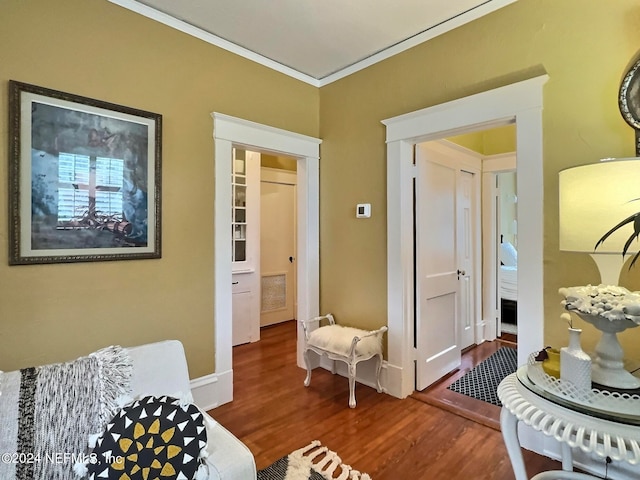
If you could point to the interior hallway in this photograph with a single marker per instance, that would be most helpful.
(390, 439)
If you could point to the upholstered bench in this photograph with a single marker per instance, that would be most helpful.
(346, 344)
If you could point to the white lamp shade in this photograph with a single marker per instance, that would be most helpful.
(593, 199)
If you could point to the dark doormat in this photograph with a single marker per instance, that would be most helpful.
(483, 380)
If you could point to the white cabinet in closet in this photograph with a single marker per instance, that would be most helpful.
(245, 238)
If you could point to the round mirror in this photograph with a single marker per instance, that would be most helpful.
(629, 100)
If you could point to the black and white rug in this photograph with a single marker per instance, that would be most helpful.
(483, 380)
(313, 462)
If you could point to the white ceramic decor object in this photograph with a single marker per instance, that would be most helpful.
(575, 363)
(611, 309)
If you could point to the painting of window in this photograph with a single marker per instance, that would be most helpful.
(84, 178)
(90, 190)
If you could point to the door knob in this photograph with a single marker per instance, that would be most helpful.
(290, 259)
(461, 272)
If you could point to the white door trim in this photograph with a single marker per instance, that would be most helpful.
(228, 132)
(520, 103)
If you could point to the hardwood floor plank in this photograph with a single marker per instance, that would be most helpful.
(388, 438)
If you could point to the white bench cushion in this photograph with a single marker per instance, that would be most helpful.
(337, 339)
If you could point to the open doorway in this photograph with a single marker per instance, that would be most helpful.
(263, 240)
(229, 133)
(496, 149)
(507, 233)
(519, 103)
(278, 254)
(465, 245)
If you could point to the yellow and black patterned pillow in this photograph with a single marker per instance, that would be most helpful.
(152, 438)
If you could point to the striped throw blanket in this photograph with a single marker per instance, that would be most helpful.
(47, 413)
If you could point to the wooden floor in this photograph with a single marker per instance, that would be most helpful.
(390, 439)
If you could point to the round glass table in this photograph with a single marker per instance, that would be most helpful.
(575, 423)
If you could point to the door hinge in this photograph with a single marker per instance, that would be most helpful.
(414, 171)
(414, 354)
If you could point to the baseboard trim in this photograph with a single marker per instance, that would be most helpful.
(394, 382)
(213, 390)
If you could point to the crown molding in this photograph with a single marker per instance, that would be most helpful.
(435, 31)
(199, 33)
(488, 7)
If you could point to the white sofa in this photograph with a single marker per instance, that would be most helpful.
(161, 369)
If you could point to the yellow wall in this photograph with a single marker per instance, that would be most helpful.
(488, 142)
(500, 140)
(585, 51)
(97, 49)
(51, 313)
(280, 162)
(473, 141)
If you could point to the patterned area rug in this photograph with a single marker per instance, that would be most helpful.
(313, 462)
(483, 380)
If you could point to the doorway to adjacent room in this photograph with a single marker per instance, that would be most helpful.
(231, 132)
(519, 104)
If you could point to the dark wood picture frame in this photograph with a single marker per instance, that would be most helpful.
(84, 179)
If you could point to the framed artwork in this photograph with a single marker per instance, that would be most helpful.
(84, 179)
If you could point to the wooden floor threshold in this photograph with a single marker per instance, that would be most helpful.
(438, 395)
(469, 408)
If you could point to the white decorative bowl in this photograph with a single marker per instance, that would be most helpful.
(611, 309)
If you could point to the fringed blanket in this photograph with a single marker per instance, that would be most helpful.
(47, 413)
(313, 462)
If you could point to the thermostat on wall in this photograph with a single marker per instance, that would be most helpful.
(363, 210)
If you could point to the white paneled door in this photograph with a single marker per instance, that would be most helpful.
(465, 207)
(277, 246)
(445, 308)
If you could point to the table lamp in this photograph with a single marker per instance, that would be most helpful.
(594, 199)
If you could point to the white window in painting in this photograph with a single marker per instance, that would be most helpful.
(73, 190)
(109, 177)
(89, 190)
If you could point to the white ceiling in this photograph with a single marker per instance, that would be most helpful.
(317, 41)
